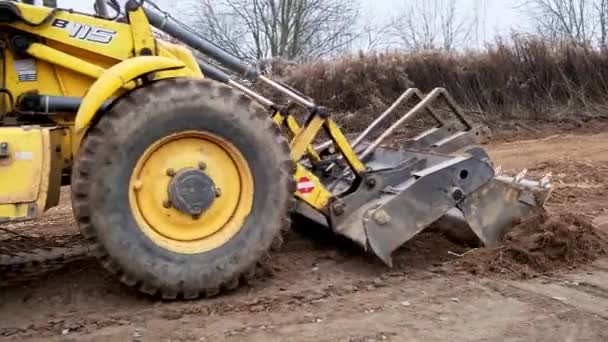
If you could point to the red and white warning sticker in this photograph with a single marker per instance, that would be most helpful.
(305, 185)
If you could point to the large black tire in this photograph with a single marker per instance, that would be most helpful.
(100, 183)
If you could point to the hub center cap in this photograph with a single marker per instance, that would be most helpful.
(192, 192)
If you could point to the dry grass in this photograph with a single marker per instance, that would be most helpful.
(522, 79)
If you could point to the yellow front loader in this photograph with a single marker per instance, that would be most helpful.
(182, 178)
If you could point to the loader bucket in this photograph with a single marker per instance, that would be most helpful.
(439, 177)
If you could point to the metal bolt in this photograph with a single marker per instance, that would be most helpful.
(138, 184)
(381, 217)
(371, 182)
(170, 172)
(197, 210)
(202, 166)
(457, 194)
(338, 209)
(167, 204)
(4, 150)
(218, 192)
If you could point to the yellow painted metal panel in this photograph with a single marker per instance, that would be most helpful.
(115, 78)
(74, 82)
(21, 172)
(30, 178)
(45, 82)
(278, 118)
(14, 212)
(310, 189)
(141, 31)
(344, 146)
(104, 37)
(295, 128)
(305, 137)
(53, 166)
(65, 60)
(182, 53)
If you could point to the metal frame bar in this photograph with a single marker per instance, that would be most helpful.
(422, 105)
(406, 96)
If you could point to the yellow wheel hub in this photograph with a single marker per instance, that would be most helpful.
(187, 163)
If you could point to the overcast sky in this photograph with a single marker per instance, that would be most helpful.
(499, 16)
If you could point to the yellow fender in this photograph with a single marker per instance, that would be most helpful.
(117, 77)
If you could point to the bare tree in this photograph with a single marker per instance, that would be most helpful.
(374, 35)
(574, 20)
(432, 24)
(602, 9)
(291, 29)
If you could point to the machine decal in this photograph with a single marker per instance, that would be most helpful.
(85, 32)
(26, 70)
(305, 185)
(24, 155)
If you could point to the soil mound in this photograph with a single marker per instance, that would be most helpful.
(538, 245)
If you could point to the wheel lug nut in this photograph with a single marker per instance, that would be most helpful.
(170, 172)
(202, 165)
(167, 204)
(218, 192)
(196, 212)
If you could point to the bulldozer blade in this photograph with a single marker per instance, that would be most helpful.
(492, 210)
(489, 213)
(463, 195)
(441, 176)
(422, 200)
(485, 212)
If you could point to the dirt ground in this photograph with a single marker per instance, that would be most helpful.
(324, 290)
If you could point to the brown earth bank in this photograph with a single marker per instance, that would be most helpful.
(547, 281)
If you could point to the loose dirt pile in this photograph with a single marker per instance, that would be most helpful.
(540, 245)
